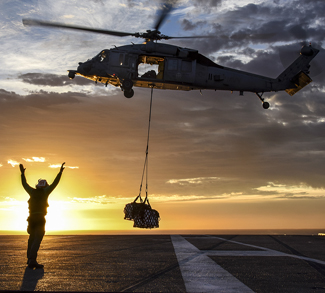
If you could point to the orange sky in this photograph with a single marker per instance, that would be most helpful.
(193, 184)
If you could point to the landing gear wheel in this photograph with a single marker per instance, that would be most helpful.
(266, 105)
(129, 94)
(127, 84)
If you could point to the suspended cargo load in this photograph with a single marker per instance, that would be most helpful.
(142, 214)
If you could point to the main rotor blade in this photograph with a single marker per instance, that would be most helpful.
(191, 37)
(167, 7)
(34, 22)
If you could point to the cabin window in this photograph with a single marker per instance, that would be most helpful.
(151, 67)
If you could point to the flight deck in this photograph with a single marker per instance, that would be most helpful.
(166, 263)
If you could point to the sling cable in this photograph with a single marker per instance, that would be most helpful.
(141, 212)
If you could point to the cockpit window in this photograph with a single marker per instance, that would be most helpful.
(102, 56)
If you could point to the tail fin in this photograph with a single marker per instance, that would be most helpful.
(295, 77)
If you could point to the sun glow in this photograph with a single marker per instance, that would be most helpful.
(14, 214)
(57, 216)
(17, 211)
(69, 215)
(65, 215)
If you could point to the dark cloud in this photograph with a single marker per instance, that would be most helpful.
(301, 197)
(260, 24)
(47, 79)
(132, 3)
(267, 63)
(187, 25)
(207, 4)
(40, 99)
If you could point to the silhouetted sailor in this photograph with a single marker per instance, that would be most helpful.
(37, 205)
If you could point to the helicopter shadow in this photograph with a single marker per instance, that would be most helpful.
(31, 278)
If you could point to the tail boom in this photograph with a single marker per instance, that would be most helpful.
(295, 77)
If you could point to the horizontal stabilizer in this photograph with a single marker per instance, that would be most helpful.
(300, 80)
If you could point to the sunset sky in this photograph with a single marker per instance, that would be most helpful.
(216, 160)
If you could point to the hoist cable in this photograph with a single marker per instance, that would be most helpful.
(145, 167)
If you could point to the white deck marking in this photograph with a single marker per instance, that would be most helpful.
(200, 273)
(241, 253)
(276, 253)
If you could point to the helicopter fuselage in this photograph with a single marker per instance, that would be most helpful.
(177, 68)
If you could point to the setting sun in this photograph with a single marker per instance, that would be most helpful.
(58, 216)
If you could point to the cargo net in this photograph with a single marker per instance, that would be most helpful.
(142, 214)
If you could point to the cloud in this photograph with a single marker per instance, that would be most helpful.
(300, 191)
(199, 180)
(47, 79)
(39, 99)
(183, 198)
(251, 25)
(13, 163)
(55, 166)
(187, 25)
(35, 159)
(207, 5)
(9, 203)
(99, 199)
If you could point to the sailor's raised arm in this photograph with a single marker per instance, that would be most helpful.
(57, 179)
(23, 179)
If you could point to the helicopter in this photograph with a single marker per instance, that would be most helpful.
(178, 68)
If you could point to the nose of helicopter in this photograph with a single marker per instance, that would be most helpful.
(84, 67)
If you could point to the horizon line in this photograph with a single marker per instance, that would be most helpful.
(284, 231)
